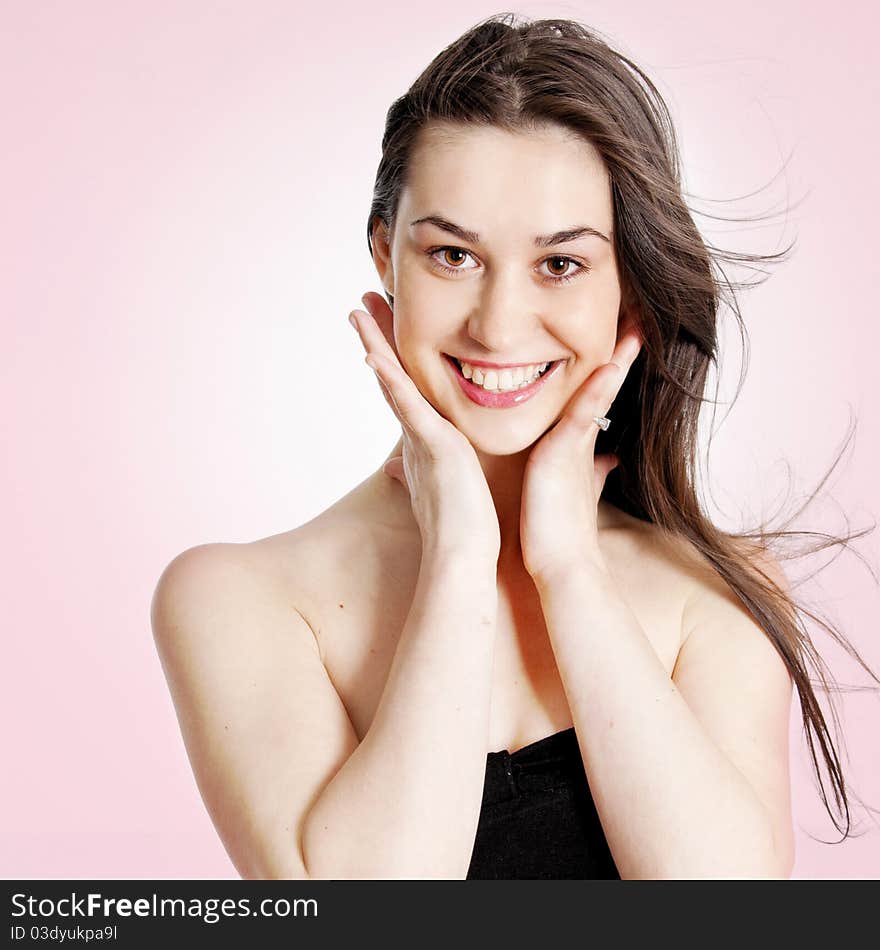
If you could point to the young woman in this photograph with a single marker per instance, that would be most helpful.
(519, 649)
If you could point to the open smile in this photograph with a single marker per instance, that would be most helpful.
(518, 386)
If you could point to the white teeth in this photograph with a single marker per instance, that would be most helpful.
(505, 380)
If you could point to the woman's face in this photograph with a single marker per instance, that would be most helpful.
(514, 290)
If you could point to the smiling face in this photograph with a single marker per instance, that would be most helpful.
(490, 278)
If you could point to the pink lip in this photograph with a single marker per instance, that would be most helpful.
(499, 400)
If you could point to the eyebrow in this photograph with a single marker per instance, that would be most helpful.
(540, 240)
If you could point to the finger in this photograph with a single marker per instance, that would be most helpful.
(375, 325)
(382, 359)
(593, 399)
(625, 353)
(411, 407)
(380, 368)
(627, 348)
(600, 390)
(371, 336)
(379, 310)
(386, 394)
(377, 346)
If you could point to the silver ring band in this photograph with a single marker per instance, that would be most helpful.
(602, 421)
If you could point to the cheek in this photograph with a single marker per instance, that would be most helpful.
(421, 320)
(416, 340)
(593, 330)
(591, 339)
(412, 276)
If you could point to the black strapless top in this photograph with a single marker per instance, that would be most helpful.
(538, 819)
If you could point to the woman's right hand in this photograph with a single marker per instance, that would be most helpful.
(450, 498)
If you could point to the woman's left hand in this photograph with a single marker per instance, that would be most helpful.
(558, 515)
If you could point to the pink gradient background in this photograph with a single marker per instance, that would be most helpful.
(185, 189)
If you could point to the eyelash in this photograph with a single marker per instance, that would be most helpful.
(552, 278)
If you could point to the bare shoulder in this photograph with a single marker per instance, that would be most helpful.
(350, 561)
(726, 646)
(657, 572)
(727, 668)
(661, 557)
(712, 615)
(712, 599)
(657, 567)
(209, 579)
(737, 683)
(263, 726)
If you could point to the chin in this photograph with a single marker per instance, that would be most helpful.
(503, 438)
(498, 430)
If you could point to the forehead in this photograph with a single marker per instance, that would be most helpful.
(494, 180)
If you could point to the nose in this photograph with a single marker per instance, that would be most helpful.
(503, 321)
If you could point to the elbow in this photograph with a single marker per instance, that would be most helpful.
(783, 863)
(275, 870)
(281, 861)
(761, 859)
(773, 861)
(768, 866)
(771, 854)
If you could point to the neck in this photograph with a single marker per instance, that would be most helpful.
(504, 476)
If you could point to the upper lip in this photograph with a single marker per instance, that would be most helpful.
(488, 365)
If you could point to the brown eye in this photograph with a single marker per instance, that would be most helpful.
(450, 252)
(559, 260)
(563, 263)
(455, 256)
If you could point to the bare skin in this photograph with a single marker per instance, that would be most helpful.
(356, 614)
(339, 685)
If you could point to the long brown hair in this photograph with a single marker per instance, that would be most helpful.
(520, 77)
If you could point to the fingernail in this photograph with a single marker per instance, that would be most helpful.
(364, 302)
(352, 320)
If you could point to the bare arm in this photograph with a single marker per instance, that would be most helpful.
(276, 759)
(689, 773)
(406, 803)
